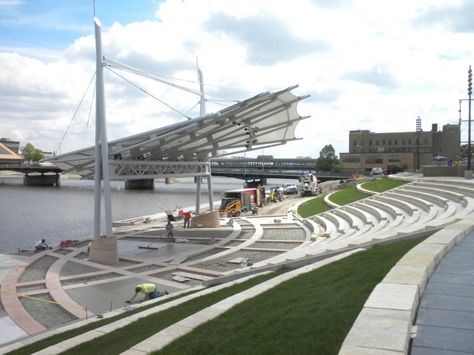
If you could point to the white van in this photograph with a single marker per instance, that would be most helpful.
(376, 171)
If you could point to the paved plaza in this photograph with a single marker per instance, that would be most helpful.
(445, 319)
(62, 287)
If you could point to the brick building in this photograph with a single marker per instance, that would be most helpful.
(403, 150)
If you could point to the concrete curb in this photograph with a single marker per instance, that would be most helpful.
(365, 191)
(328, 202)
(84, 337)
(167, 335)
(385, 323)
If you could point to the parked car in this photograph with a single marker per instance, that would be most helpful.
(376, 171)
(290, 189)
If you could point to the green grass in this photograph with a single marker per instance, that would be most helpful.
(54, 339)
(310, 314)
(312, 207)
(343, 197)
(122, 339)
(383, 184)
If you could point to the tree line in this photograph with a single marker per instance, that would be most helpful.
(30, 153)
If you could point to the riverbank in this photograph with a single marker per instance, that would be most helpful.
(67, 212)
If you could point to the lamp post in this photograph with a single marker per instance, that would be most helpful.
(469, 93)
(418, 132)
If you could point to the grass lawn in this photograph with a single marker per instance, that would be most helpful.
(312, 207)
(383, 184)
(310, 314)
(122, 339)
(54, 339)
(343, 197)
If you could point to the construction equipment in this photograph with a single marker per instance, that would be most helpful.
(308, 185)
(243, 200)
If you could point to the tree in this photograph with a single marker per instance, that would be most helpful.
(327, 160)
(30, 153)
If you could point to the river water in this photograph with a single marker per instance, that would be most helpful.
(28, 213)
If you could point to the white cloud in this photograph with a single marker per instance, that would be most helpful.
(367, 64)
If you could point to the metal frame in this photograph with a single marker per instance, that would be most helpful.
(136, 169)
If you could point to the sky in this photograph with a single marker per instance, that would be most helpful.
(366, 64)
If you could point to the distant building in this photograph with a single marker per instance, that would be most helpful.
(400, 150)
(8, 156)
(14, 146)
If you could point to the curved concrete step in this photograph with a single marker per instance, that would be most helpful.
(441, 192)
(435, 199)
(461, 189)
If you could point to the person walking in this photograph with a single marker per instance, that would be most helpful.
(170, 231)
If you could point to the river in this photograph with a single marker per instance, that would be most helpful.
(29, 213)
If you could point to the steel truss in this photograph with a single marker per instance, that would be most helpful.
(148, 169)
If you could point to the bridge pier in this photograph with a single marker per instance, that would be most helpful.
(141, 184)
(41, 180)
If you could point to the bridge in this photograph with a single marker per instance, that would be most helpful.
(35, 174)
(264, 167)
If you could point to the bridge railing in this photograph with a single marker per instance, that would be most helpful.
(141, 169)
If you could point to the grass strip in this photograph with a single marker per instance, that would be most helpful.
(124, 338)
(343, 197)
(312, 207)
(57, 338)
(383, 184)
(310, 314)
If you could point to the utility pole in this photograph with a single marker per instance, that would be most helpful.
(469, 93)
(418, 132)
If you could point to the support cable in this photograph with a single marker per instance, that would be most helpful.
(75, 113)
(146, 92)
(90, 108)
(120, 66)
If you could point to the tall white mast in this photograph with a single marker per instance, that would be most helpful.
(202, 101)
(101, 144)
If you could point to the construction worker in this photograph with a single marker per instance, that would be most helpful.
(187, 219)
(41, 245)
(149, 290)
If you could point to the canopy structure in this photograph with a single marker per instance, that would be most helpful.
(268, 119)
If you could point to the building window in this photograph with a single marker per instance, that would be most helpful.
(374, 160)
(377, 142)
(403, 141)
(370, 142)
(353, 159)
(383, 142)
(394, 159)
(389, 142)
(354, 143)
(395, 142)
(409, 141)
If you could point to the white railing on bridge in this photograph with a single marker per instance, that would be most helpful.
(141, 169)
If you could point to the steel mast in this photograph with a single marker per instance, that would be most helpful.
(101, 144)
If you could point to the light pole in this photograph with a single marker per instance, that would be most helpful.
(469, 93)
(418, 132)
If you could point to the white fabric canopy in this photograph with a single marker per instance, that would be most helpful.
(268, 119)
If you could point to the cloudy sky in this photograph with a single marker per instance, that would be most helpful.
(367, 64)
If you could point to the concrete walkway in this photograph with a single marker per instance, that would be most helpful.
(10, 330)
(445, 319)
